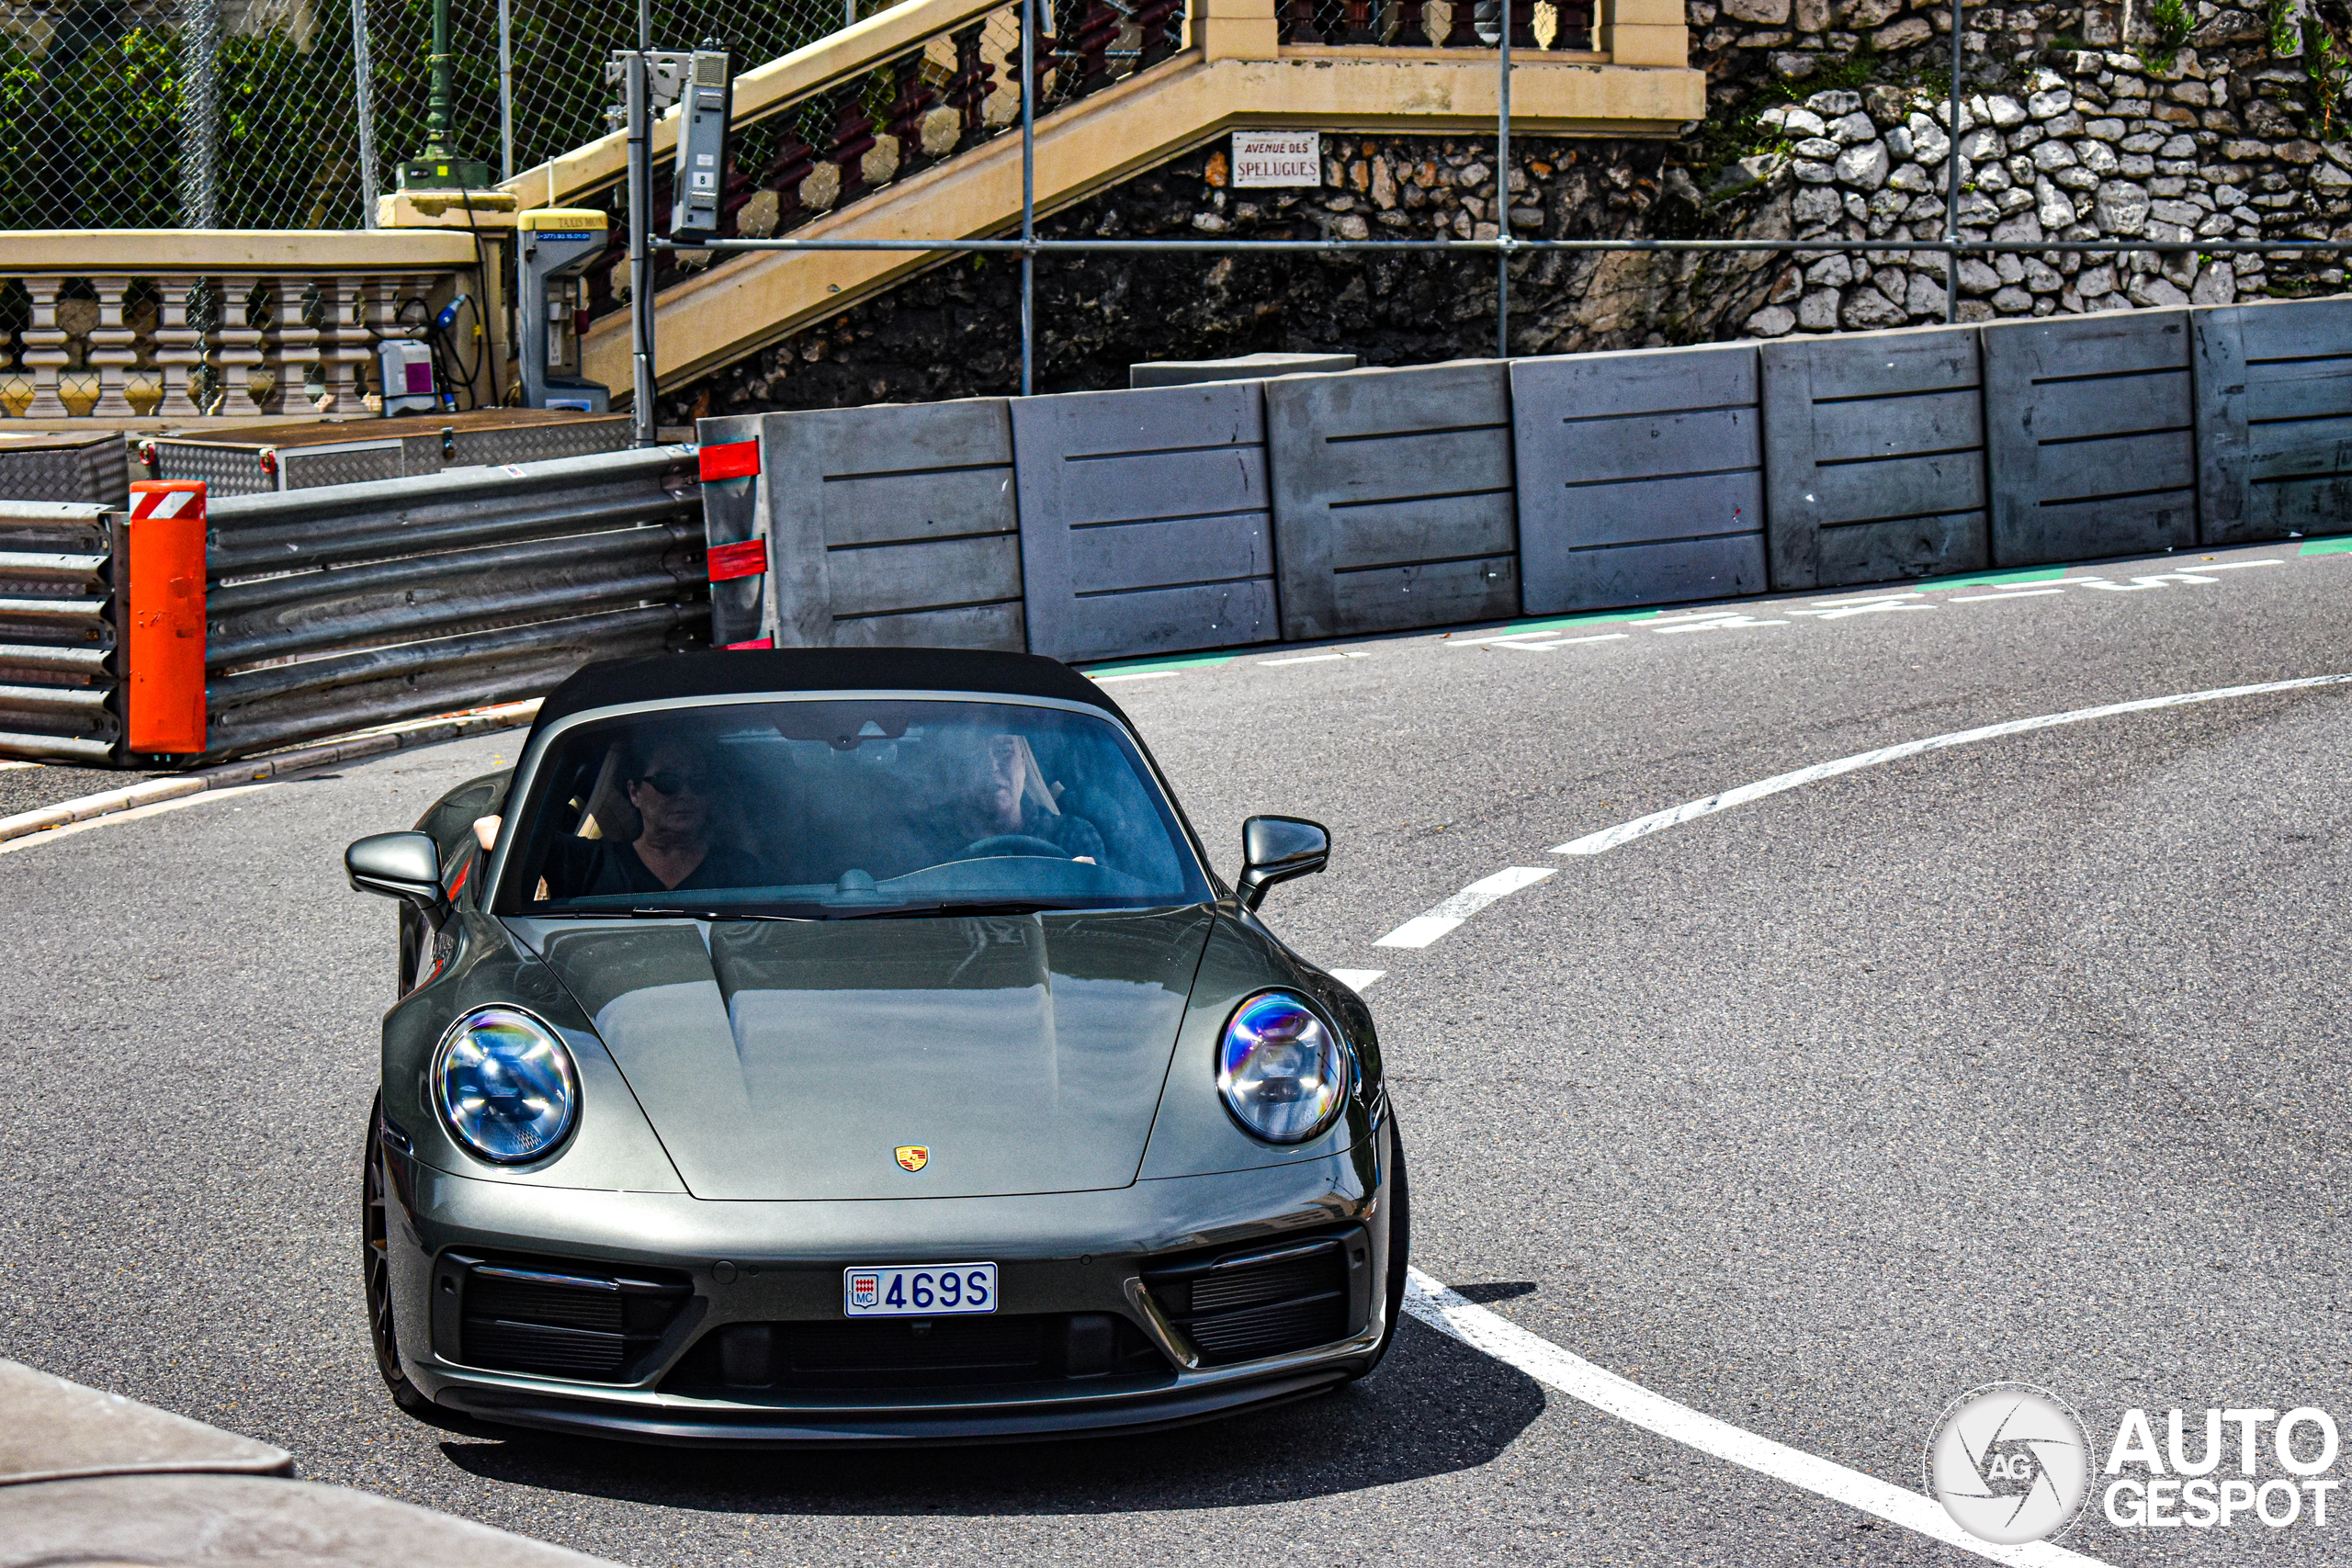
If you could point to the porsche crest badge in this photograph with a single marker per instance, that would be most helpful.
(913, 1157)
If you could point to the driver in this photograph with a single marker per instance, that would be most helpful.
(1007, 798)
(672, 785)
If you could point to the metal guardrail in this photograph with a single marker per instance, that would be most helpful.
(58, 631)
(346, 606)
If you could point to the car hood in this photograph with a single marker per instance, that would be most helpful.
(787, 1060)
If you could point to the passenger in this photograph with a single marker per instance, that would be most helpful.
(1008, 799)
(672, 790)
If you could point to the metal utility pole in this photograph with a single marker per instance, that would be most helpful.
(1028, 195)
(1952, 176)
(363, 73)
(505, 93)
(200, 117)
(1502, 180)
(641, 233)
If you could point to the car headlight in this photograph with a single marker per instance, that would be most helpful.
(506, 1086)
(1284, 1073)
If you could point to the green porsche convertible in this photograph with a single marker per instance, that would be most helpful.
(855, 1046)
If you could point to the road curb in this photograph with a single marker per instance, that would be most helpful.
(283, 764)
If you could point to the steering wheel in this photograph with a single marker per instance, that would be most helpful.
(1014, 844)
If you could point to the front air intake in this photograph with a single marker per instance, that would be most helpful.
(1249, 1303)
(560, 1320)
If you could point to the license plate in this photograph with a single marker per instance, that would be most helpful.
(919, 1290)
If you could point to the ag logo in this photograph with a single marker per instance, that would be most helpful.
(913, 1157)
(2011, 1463)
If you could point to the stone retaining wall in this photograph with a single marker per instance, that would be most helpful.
(2065, 135)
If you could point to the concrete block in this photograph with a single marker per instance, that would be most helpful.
(892, 526)
(1393, 498)
(2089, 440)
(1640, 477)
(57, 1429)
(1874, 458)
(2274, 420)
(1241, 367)
(1145, 524)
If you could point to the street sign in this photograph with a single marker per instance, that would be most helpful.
(1277, 158)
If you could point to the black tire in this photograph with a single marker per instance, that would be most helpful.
(375, 1238)
(1400, 1242)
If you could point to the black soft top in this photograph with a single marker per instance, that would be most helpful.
(754, 671)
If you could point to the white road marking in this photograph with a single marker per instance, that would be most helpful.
(1871, 598)
(1877, 607)
(2019, 593)
(6, 766)
(48, 835)
(1312, 659)
(1721, 624)
(1690, 810)
(1425, 929)
(1492, 1335)
(1570, 641)
(2239, 565)
(1357, 979)
(1140, 675)
(2142, 584)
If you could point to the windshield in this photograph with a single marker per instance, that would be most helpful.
(846, 809)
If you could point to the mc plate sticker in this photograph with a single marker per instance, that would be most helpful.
(919, 1290)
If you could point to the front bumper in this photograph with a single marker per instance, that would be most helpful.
(764, 1262)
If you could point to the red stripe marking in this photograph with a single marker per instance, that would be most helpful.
(747, 558)
(757, 642)
(731, 460)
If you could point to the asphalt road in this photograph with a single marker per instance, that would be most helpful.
(2019, 1060)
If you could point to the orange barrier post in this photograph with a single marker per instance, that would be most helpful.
(164, 618)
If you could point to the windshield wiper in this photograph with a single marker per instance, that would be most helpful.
(705, 915)
(902, 912)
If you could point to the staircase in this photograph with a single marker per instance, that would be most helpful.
(907, 126)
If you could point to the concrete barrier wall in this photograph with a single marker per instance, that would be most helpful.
(1103, 525)
(1145, 524)
(1875, 449)
(1393, 501)
(2274, 420)
(893, 528)
(1641, 477)
(2090, 437)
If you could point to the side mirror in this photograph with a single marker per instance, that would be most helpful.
(1275, 849)
(406, 866)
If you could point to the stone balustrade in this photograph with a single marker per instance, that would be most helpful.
(175, 324)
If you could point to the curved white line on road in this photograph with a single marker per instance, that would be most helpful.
(1425, 929)
(1691, 811)
(1496, 1335)
(49, 835)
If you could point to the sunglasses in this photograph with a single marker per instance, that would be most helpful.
(671, 783)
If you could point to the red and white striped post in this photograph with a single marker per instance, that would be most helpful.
(163, 589)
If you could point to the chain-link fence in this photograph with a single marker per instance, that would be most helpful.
(251, 114)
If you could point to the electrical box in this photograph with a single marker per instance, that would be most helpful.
(557, 246)
(407, 369)
(698, 180)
